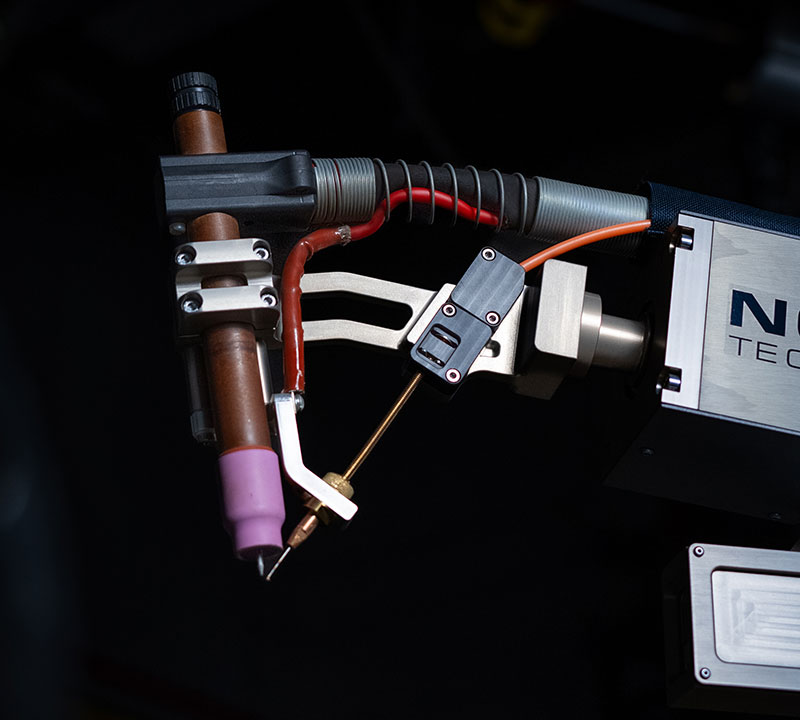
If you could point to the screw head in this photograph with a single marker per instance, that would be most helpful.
(776, 516)
(669, 379)
(269, 299)
(705, 673)
(299, 403)
(699, 551)
(261, 249)
(648, 451)
(448, 310)
(177, 228)
(488, 254)
(685, 238)
(492, 318)
(452, 375)
(185, 255)
(191, 304)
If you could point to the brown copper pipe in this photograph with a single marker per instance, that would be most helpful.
(199, 132)
(230, 349)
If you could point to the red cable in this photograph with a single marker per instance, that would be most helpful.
(293, 352)
(421, 195)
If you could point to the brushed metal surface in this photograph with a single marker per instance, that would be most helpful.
(749, 373)
(497, 357)
(620, 343)
(229, 304)
(702, 565)
(591, 321)
(687, 318)
(224, 257)
(757, 618)
(339, 329)
(558, 327)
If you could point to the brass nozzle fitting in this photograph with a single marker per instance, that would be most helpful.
(338, 483)
(318, 511)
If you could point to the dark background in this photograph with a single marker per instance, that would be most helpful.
(488, 570)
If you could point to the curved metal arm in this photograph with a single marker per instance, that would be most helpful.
(285, 416)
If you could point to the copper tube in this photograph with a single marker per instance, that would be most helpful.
(199, 132)
(230, 349)
(235, 385)
(212, 226)
(304, 528)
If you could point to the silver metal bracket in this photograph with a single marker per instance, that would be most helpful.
(572, 333)
(255, 303)
(497, 357)
(369, 288)
(292, 456)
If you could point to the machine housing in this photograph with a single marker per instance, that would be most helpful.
(715, 412)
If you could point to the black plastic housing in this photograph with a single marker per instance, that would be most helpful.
(193, 91)
(464, 324)
(273, 189)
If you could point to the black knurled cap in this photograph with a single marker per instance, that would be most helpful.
(193, 91)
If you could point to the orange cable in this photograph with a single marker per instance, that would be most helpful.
(587, 238)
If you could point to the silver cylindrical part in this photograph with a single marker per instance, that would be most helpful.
(591, 322)
(565, 210)
(620, 343)
(201, 417)
(607, 341)
(346, 190)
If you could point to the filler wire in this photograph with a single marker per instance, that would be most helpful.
(311, 520)
(383, 427)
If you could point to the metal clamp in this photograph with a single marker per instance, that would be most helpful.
(292, 456)
(255, 303)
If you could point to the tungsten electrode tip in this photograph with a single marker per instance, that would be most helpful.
(282, 557)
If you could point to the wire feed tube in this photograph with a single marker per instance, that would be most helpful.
(293, 269)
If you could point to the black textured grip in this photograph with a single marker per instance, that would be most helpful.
(193, 91)
(666, 202)
(451, 343)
